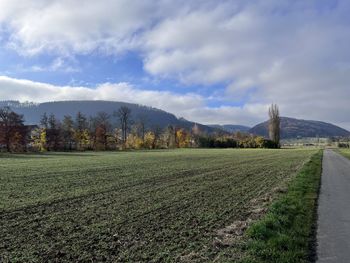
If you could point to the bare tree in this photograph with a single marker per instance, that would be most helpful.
(141, 125)
(170, 137)
(124, 116)
(81, 124)
(101, 119)
(274, 124)
(53, 133)
(157, 131)
(101, 128)
(44, 121)
(68, 132)
(11, 127)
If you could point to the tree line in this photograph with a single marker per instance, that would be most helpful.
(118, 131)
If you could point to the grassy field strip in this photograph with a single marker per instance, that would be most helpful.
(344, 152)
(150, 206)
(286, 233)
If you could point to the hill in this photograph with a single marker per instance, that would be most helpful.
(293, 128)
(155, 117)
(231, 128)
(290, 128)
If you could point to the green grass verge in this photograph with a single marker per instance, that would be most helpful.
(344, 152)
(287, 232)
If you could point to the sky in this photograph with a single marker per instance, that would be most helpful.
(209, 61)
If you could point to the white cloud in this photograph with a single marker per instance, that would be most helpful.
(69, 27)
(74, 26)
(190, 106)
(57, 65)
(294, 53)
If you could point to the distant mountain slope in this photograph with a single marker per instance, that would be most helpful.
(155, 117)
(293, 128)
(231, 128)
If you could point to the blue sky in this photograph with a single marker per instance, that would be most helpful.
(93, 69)
(208, 61)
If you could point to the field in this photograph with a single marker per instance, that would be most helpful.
(151, 206)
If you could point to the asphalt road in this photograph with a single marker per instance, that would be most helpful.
(333, 233)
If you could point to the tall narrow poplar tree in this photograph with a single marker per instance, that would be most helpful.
(274, 124)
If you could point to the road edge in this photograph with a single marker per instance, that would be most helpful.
(287, 233)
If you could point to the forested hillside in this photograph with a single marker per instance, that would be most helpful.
(293, 128)
(231, 127)
(153, 117)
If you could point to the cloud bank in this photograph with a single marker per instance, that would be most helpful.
(189, 106)
(294, 53)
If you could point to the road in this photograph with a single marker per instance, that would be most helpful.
(333, 233)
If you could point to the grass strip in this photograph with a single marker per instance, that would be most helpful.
(287, 232)
(345, 152)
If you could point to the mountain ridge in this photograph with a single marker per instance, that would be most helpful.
(32, 112)
(290, 127)
(294, 128)
(231, 127)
